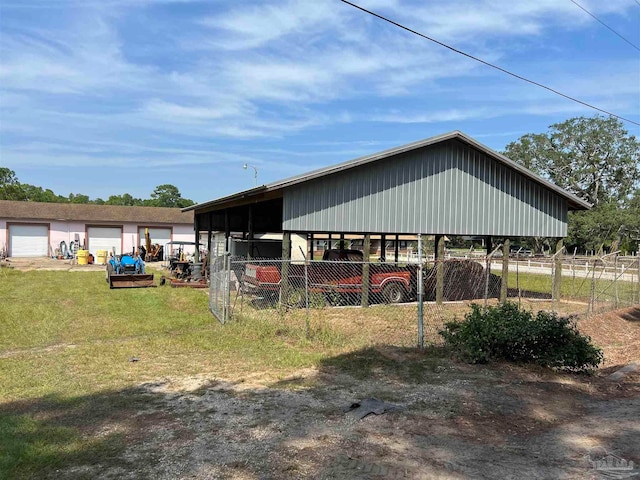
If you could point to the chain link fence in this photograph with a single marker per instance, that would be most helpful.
(348, 301)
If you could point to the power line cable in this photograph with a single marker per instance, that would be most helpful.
(484, 62)
(607, 26)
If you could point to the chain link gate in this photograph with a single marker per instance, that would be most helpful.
(220, 287)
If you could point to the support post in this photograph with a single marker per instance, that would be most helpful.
(439, 258)
(311, 246)
(487, 270)
(196, 255)
(227, 229)
(284, 271)
(366, 279)
(341, 241)
(396, 248)
(250, 232)
(557, 279)
(383, 248)
(209, 237)
(504, 285)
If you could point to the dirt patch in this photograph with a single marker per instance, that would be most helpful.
(53, 264)
(617, 333)
(49, 264)
(456, 421)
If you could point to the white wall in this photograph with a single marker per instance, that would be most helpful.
(60, 231)
(129, 237)
(3, 236)
(186, 233)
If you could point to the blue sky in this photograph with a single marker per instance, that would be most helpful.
(117, 96)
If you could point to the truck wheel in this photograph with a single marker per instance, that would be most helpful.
(393, 293)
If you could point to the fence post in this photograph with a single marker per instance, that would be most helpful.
(366, 279)
(213, 287)
(439, 259)
(638, 285)
(573, 272)
(226, 278)
(306, 295)
(518, 283)
(420, 297)
(592, 295)
(487, 274)
(284, 271)
(557, 279)
(615, 279)
(505, 270)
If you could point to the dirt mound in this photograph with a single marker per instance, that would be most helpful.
(617, 333)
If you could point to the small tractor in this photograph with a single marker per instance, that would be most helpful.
(127, 271)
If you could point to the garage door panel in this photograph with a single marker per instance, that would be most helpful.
(161, 236)
(105, 238)
(28, 240)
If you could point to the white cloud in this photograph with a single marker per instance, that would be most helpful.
(251, 26)
(268, 70)
(463, 20)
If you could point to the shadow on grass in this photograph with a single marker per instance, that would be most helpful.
(296, 428)
(405, 365)
(39, 437)
(513, 293)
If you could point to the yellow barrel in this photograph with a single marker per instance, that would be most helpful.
(102, 257)
(83, 257)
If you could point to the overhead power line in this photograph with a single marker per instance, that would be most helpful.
(604, 24)
(488, 64)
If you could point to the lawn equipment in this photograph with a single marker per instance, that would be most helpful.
(127, 271)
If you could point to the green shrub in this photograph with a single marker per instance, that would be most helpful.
(507, 332)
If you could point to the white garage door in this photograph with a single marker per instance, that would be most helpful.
(28, 240)
(105, 238)
(158, 235)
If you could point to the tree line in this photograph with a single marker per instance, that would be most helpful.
(11, 188)
(597, 160)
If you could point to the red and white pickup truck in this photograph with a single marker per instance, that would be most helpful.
(339, 273)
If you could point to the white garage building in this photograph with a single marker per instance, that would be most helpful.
(31, 229)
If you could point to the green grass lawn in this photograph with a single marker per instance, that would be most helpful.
(577, 288)
(67, 342)
(68, 333)
(65, 346)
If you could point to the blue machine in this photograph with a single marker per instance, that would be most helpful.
(127, 271)
(127, 264)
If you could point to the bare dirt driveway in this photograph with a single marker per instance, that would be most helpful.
(45, 263)
(454, 421)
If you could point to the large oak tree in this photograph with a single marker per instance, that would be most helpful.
(597, 160)
(594, 158)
